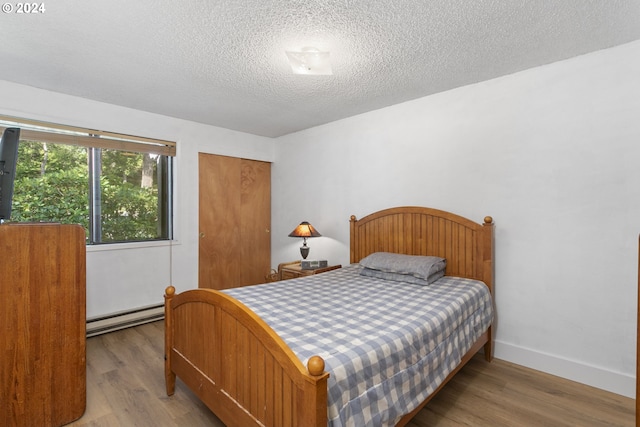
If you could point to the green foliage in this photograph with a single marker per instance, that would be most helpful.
(129, 212)
(59, 197)
(52, 184)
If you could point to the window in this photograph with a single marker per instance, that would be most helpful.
(117, 187)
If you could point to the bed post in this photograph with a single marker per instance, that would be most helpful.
(169, 376)
(317, 394)
(487, 276)
(352, 235)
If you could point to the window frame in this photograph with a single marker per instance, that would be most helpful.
(94, 140)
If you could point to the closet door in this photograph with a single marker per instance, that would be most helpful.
(234, 221)
(255, 219)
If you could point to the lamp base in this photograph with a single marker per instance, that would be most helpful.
(304, 251)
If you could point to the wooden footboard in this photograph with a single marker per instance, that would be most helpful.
(237, 365)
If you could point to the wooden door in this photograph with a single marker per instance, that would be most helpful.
(255, 219)
(234, 221)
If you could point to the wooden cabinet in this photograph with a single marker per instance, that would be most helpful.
(43, 323)
(291, 270)
(234, 221)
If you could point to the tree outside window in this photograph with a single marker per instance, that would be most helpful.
(116, 195)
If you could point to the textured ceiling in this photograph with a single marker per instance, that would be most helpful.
(224, 63)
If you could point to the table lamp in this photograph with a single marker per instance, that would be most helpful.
(304, 230)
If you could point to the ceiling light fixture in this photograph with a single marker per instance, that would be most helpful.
(309, 61)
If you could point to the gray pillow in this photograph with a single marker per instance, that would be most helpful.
(422, 270)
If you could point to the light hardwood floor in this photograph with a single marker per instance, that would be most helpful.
(125, 388)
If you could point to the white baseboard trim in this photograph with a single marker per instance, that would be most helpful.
(594, 376)
(125, 319)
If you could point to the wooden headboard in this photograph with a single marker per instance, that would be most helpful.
(412, 230)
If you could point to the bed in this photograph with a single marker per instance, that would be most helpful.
(248, 374)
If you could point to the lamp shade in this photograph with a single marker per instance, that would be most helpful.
(305, 230)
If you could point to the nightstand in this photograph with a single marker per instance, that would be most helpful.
(291, 270)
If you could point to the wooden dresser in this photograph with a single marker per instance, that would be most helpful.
(43, 323)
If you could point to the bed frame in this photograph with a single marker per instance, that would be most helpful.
(245, 373)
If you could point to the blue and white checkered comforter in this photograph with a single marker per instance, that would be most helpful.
(387, 345)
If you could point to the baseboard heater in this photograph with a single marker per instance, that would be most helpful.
(124, 319)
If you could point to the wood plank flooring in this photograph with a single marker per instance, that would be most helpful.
(125, 388)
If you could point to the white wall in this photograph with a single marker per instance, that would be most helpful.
(552, 153)
(122, 277)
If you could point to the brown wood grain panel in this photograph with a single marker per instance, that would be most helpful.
(417, 236)
(388, 244)
(211, 366)
(381, 230)
(287, 396)
(234, 221)
(256, 365)
(255, 220)
(443, 233)
(471, 245)
(400, 229)
(244, 377)
(278, 395)
(398, 224)
(42, 335)
(363, 236)
(420, 224)
(455, 247)
(372, 231)
(440, 238)
(190, 330)
(430, 232)
(461, 249)
(269, 390)
(427, 227)
(395, 228)
(219, 216)
(378, 230)
(407, 235)
(435, 228)
(439, 233)
(228, 352)
(449, 254)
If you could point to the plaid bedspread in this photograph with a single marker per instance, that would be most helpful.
(387, 345)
